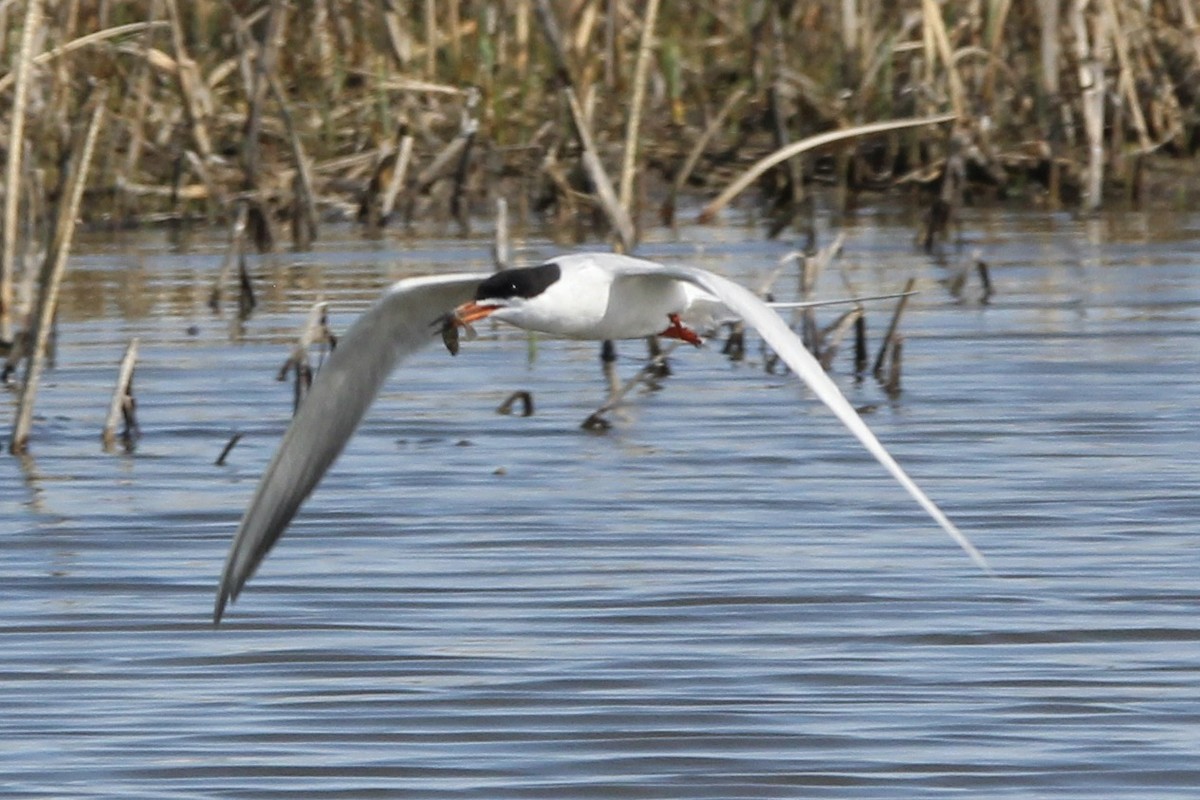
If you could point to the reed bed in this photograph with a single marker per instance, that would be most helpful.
(295, 107)
(262, 115)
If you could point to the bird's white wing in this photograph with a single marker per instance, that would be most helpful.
(401, 322)
(788, 346)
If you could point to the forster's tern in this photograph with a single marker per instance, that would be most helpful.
(580, 296)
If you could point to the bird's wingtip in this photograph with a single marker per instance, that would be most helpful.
(226, 594)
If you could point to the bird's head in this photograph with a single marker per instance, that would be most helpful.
(506, 293)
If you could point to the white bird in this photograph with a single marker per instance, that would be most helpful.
(580, 296)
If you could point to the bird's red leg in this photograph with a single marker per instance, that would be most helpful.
(677, 330)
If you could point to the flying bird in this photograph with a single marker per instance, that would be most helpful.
(579, 296)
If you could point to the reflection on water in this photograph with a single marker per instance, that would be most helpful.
(721, 597)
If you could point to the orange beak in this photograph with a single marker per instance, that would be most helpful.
(472, 312)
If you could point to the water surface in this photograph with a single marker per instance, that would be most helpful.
(721, 597)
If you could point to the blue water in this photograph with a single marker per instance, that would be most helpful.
(722, 596)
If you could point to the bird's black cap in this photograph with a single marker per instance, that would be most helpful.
(523, 282)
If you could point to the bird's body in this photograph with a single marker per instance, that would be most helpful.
(612, 297)
(581, 296)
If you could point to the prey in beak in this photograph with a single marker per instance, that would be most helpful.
(461, 317)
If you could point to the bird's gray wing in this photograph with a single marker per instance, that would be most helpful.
(401, 322)
(788, 346)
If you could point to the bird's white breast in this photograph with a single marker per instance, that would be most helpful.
(594, 301)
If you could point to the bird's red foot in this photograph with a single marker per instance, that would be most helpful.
(677, 330)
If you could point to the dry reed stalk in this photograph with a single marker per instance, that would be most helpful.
(400, 162)
(468, 130)
(305, 195)
(554, 37)
(451, 153)
(52, 272)
(246, 298)
(77, 44)
(4, 27)
(633, 122)
(891, 382)
(453, 25)
(1053, 110)
(501, 252)
(1048, 17)
(850, 30)
(710, 211)
(233, 440)
(237, 244)
(997, 15)
(12, 182)
(122, 405)
(831, 335)
(936, 32)
(397, 37)
(861, 356)
(787, 208)
(36, 198)
(618, 217)
(213, 192)
(191, 88)
(810, 269)
(316, 330)
(891, 338)
(651, 370)
(262, 55)
(1187, 13)
(324, 42)
(521, 38)
(431, 39)
(136, 124)
(1091, 84)
(985, 278)
(689, 164)
(1125, 76)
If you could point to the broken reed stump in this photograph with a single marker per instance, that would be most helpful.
(225, 451)
(861, 355)
(315, 331)
(887, 363)
(946, 208)
(891, 337)
(246, 298)
(656, 358)
(830, 337)
(123, 405)
(891, 379)
(650, 372)
(524, 397)
(735, 346)
(985, 278)
(957, 281)
(18, 350)
(233, 254)
(608, 364)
